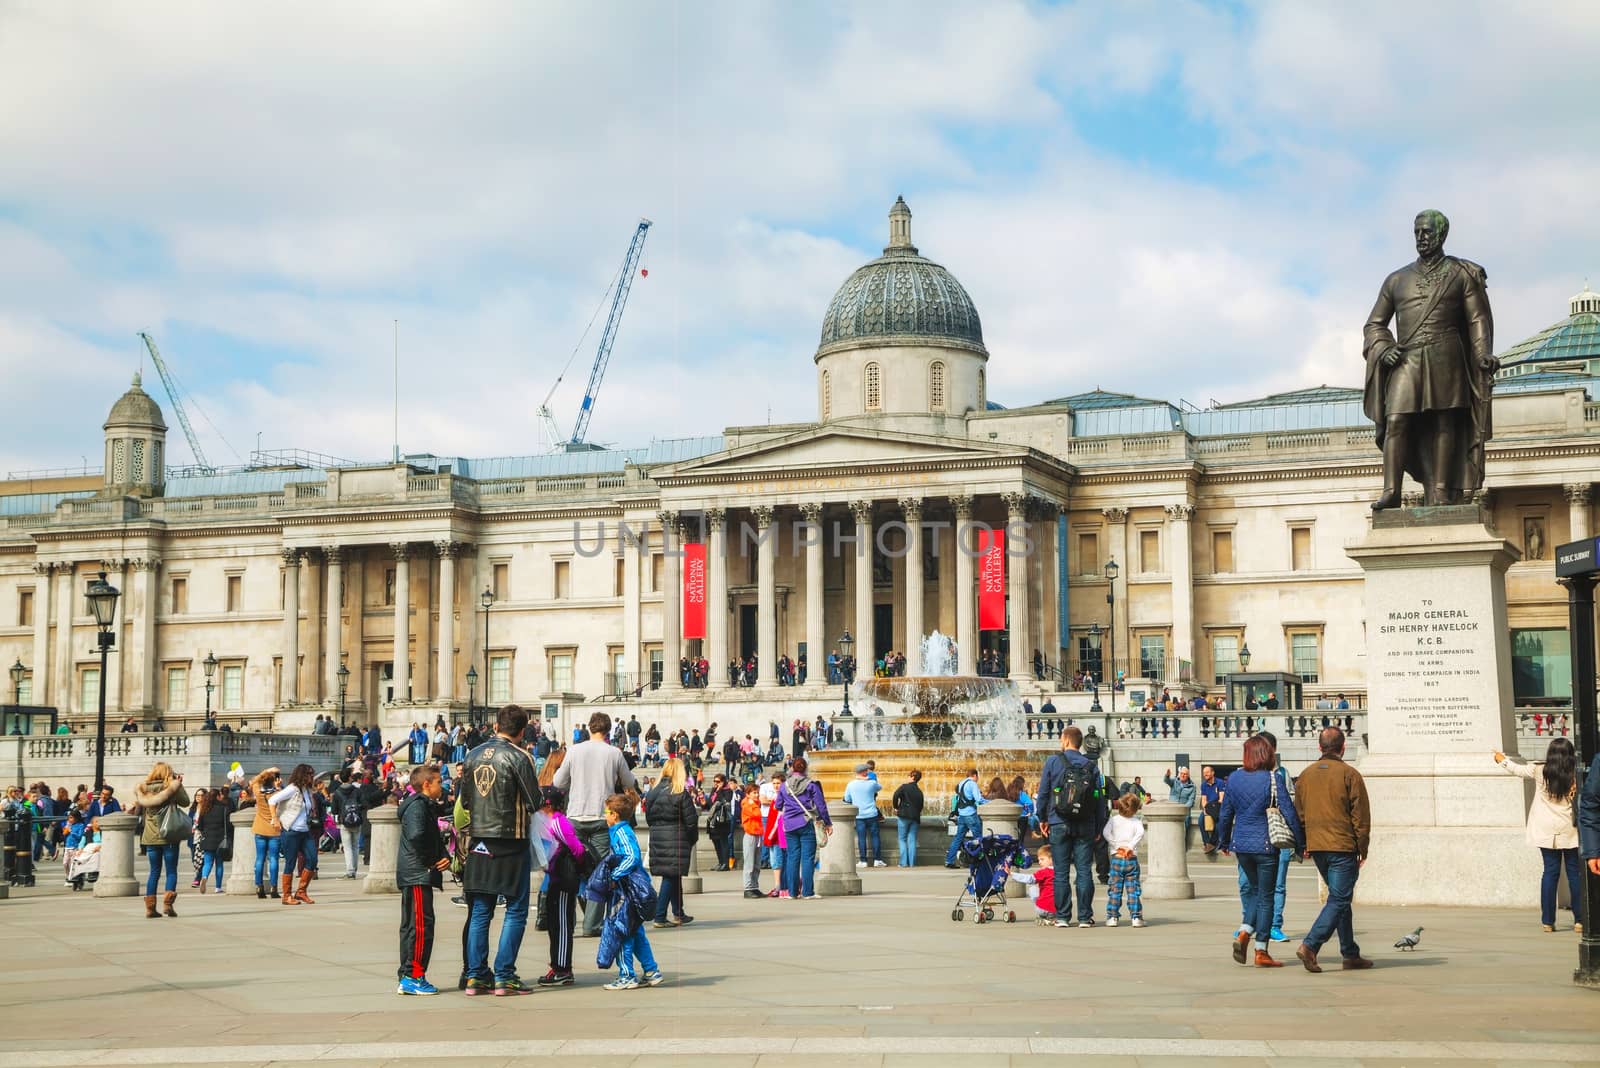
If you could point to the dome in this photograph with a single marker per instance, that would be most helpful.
(135, 408)
(901, 298)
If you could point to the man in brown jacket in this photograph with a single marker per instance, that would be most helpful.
(1332, 799)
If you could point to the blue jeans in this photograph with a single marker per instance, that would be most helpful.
(298, 846)
(780, 864)
(908, 842)
(480, 911)
(266, 850)
(867, 831)
(800, 857)
(210, 861)
(635, 945)
(1280, 891)
(1554, 861)
(1260, 872)
(157, 855)
(966, 827)
(1076, 851)
(669, 895)
(1340, 871)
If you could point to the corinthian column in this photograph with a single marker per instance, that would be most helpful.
(966, 587)
(444, 679)
(333, 631)
(717, 597)
(289, 677)
(1021, 651)
(1578, 510)
(671, 602)
(766, 600)
(866, 646)
(402, 620)
(912, 507)
(816, 641)
(1181, 569)
(42, 690)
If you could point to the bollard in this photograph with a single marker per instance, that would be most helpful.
(116, 856)
(837, 877)
(242, 868)
(693, 883)
(1000, 817)
(385, 850)
(1166, 869)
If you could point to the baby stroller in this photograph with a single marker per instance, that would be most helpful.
(329, 841)
(988, 861)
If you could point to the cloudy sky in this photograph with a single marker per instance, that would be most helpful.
(1175, 199)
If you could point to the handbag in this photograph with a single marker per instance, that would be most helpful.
(1278, 832)
(824, 831)
(173, 824)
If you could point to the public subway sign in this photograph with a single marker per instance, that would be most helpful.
(1577, 558)
(694, 590)
(991, 580)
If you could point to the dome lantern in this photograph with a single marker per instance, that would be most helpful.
(136, 442)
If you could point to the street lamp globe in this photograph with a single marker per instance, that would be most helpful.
(846, 643)
(1111, 570)
(472, 678)
(344, 679)
(487, 599)
(1244, 656)
(102, 598)
(17, 671)
(210, 665)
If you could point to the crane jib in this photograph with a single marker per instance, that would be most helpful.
(608, 337)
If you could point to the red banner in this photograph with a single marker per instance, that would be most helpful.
(694, 591)
(991, 580)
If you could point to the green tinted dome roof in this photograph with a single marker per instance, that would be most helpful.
(901, 297)
(135, 408)
(1577, 337)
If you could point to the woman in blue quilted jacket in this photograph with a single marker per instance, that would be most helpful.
(1242, 829)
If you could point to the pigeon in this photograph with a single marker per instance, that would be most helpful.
(1409, 941)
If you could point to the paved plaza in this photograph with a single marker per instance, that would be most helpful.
(883, 979)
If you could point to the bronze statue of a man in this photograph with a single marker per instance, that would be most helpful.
(1428, 391)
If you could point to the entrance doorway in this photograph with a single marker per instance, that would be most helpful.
(882, 631)
(748, 642)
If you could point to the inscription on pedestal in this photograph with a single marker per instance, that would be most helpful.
(1431, 662)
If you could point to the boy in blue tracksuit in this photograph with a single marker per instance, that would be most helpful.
(625, 844)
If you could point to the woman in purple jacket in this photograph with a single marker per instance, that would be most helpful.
(801, 802)
(1242, 830)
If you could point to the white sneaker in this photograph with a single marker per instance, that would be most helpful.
(1063, 923)
(1085, 924)
(622, 983)
(1137, 922)
(861, 864)
(1111, 921)
(879, 864)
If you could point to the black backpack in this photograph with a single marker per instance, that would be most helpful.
(1074, 795)
(721, 814)
(350, 811)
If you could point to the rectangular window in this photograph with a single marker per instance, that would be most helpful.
(1088, 554)
(25, 609)
(1300, 548)
(1304, 656)
(1541, 667)
(89, 689)
(233, 687)
(502, 581)
(177, 689)
(1153, 656)
(1150, 551)
(180, 596)
(656, 669)
(619, 578)
(561, 672)
(1089, 654)
(1224, 656)
(658, 571)
(235, 592)
(1222, 552)
(499, 680)
(563, 580)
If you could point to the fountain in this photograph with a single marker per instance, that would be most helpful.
(939, 722)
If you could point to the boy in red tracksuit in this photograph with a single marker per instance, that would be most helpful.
(1043, 876)
(417, 873)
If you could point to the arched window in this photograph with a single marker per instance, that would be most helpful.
(873, 381)
(936, 386)
(983, 392)
(827, 396)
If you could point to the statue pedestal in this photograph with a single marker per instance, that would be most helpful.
(1166, 853)
(117, 834)
(837, 875)
(241, 880)
(1439, 700)
(381, 874)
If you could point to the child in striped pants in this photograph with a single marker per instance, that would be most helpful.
(1123, 832)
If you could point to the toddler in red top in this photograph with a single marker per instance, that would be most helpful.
(1041, 884)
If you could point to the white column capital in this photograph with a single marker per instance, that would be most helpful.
(716, 518)
(963, 506)
(334, 555)
(401, 550)
(811, 512)
(1578, 493)
(1016, 504)
(447, 550)
(1116, 516)
(912, 507)
(291, 557)
(862, 510)
(763, 514)
(1182, 512)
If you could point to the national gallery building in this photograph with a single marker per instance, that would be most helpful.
(301, 583)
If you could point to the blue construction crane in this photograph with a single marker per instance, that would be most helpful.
(602, 356)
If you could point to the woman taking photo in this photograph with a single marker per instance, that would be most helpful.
(161, 792)
(293, 810)
(266, 830)
(1551, 828)
(804, 808)
(210, 834)
(674, 828)
(1243, 831)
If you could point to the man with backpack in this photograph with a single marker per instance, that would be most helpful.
(964, 813)
(1072, 813)
(350, 810)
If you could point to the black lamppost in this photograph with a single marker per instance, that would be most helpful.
(17, 672)
(102, 597)
(487, 600)
(1094, 643)
(846, 643)
(1111, 570)
(1244, 657)
(472, 687)
(343, 675)
(210, 666)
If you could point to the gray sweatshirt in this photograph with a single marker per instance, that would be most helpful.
(591, 772)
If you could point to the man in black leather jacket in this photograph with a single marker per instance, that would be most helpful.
(500, 791)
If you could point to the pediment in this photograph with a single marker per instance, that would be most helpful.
(840, 446)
